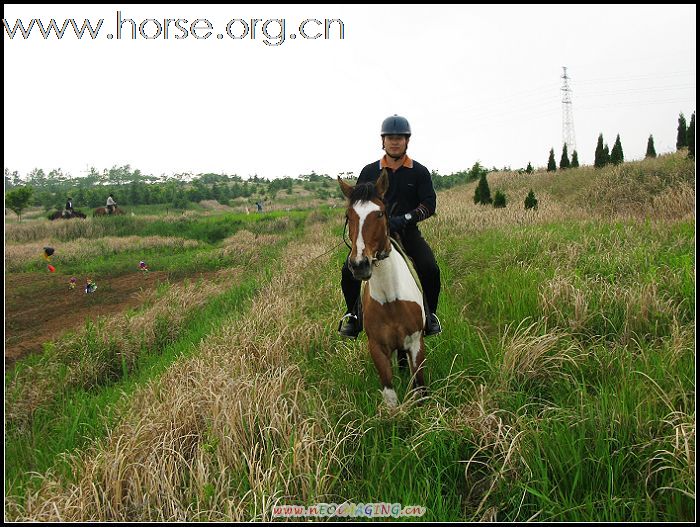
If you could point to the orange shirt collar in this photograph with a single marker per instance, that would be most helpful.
(407, 162)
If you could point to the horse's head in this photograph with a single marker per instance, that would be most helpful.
(368, 225)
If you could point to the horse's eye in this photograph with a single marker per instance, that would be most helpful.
(380, 214)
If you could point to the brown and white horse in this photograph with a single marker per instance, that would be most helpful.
(392, 302)
(102, 211)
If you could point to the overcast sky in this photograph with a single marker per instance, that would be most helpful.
(477, 83)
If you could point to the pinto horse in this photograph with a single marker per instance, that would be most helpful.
(392, 302)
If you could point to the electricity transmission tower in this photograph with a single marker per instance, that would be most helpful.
(567, 124)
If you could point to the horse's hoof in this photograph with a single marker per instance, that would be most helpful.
(390, 398)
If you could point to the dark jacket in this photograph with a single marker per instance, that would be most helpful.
(410, 188)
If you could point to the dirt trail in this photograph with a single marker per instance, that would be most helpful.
(41, 307)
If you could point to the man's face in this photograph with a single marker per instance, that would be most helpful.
(395, 145)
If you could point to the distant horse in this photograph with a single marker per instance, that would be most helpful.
(392, 302)
(72, 214)
(102, 211)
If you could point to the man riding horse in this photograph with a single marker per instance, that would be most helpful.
(68, 212)
(111, 204)
(409, 199)
(392, 301)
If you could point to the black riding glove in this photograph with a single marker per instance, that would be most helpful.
(397, 223)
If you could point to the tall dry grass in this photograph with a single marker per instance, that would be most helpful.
(598, 307)
(532, 352)
(497, 459)
(222, 436)
(244, 240)
(56, 230)
(82, 249)
(227, 434)
(661, 188)
(96, 354)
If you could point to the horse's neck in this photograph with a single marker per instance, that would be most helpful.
(392, 280)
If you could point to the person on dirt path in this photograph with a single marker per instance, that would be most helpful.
(409, 199)
(111, 204)
(68, 211)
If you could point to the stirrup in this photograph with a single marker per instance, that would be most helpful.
(355, 322)
(429, 326)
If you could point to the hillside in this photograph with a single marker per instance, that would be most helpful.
(562, 387)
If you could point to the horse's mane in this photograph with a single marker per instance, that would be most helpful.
(363, 192)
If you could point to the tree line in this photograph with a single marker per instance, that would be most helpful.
(685, 139)
(604, 156)
(132, 187)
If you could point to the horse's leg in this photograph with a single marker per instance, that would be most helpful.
(382, 362)
(402, 359)
(417, 353)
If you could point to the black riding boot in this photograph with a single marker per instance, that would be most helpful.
(351, 324)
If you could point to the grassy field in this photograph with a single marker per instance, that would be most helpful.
(562, 387)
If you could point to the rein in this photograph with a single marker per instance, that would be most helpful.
(323, 254)
(345, 228)
(377, 259)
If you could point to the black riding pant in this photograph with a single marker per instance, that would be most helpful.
(423, 260)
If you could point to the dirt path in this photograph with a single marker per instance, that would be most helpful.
(41, 307)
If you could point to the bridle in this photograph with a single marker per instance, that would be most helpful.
(380, 254)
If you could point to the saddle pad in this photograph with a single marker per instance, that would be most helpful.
(408, 261)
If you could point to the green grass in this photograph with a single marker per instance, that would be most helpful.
(79, 415)
(209, 229)
(598, 436)
(587, 434)
(179, 261)
(161, 208)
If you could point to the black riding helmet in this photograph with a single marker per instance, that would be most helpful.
(396, 125)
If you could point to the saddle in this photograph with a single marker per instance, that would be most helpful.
(396, 244)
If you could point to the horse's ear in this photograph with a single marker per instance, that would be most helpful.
(347, 189)
(382, 183)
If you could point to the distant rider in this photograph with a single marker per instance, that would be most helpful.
(111, 204)
(68, 212)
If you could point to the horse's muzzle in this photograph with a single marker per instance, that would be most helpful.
(361, 270)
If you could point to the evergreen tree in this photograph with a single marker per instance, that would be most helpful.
(529, 168)
(476, 172)
(691, 136)
(564, 162)
(499, 200)
(551, 164)
(574, 159)
(606, 154)
(617, 156)
(531, 201)
(682, 137)
(651, 151)
(482, 194)
(599, 160)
